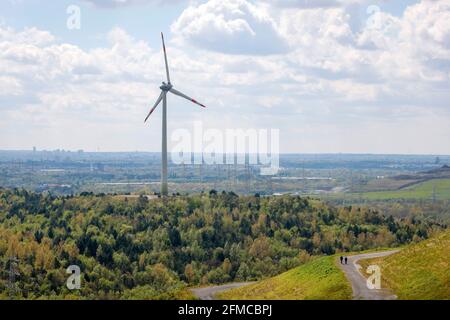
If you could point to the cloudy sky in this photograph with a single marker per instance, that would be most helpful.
(351, 76)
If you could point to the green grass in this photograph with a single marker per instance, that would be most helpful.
(185, 294)
(420, 191)
(420, 271)
(320, 279)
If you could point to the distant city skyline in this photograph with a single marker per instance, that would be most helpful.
(334, 76)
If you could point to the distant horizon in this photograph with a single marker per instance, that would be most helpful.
(281, 153)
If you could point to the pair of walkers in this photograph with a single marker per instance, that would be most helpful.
(343, 260)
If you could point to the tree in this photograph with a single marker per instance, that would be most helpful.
(189, 273)
(260, 248)
(243, 272)
(227, 267)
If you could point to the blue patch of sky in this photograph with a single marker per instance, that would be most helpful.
(359, 14)
(143, 22)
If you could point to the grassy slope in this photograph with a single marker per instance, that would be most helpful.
(422, 190)
(184, 294)
(319, 279)
(419, 271)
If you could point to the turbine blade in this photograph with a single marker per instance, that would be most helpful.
(178, 93)
(165, 58)
(161, 96)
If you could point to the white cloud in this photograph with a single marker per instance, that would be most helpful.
(230, 26)
(304, 28)
(10, 86)
(428, 21)
(30, 36)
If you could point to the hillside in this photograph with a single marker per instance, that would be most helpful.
(319, 279)
(420, 271)
(404, 181)
(437, 189)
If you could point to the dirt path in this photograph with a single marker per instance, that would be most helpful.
(359, 282)
(208, 293)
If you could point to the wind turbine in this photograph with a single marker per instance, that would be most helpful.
(165, 88)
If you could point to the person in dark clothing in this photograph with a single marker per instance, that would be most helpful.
(342, 258)
(345, 260)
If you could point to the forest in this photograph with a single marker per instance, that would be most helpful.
(144, 248)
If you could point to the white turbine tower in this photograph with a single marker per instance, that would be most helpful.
(165, 88)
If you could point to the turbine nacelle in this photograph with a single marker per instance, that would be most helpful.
(166, 87)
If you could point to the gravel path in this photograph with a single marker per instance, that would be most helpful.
(208, 293)
(353, 271)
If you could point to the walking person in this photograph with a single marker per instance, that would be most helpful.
(342, 258)
(345, 260)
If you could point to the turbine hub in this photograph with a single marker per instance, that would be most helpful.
(166, 87)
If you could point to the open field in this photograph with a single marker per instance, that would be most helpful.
(419, 271)
(320, 279)
(438, 189)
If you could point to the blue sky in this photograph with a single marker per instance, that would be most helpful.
(142, 21)
(334, 76)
